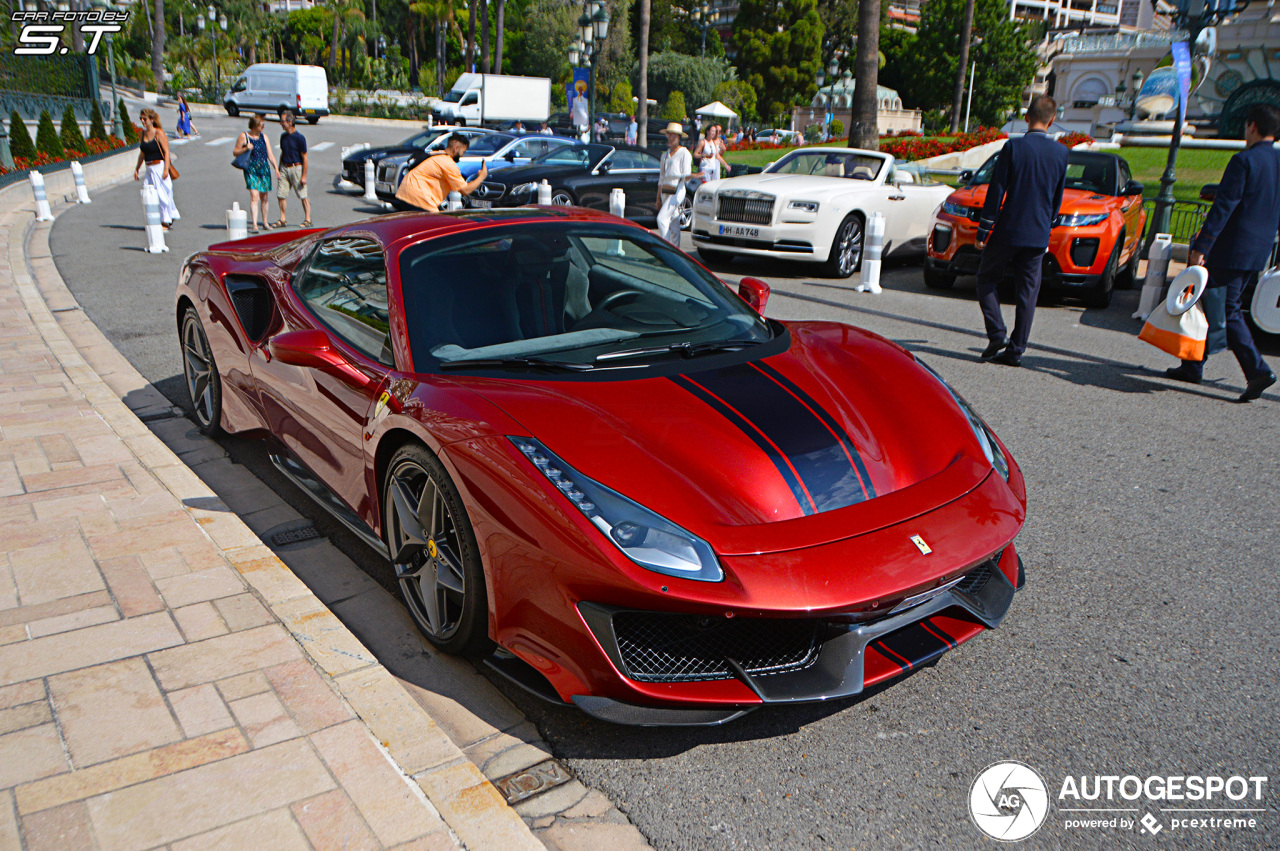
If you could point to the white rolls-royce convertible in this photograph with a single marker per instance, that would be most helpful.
(812, 205)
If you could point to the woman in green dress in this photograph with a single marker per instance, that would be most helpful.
(262, 162)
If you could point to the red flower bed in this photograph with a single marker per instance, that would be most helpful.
(746, 145)
(908, 148)
(1072, 139)
(95, 146)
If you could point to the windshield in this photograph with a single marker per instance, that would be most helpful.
(454, 95)
(1086, 171)
(487, 145)
(829, 164)
(581, 155)
(563, 292)
(421, 140)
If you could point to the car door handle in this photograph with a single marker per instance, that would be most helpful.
(897, 197)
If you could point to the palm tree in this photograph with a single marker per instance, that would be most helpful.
(642, 113)
(470, 59)
(864, 127)
(966, 35)
(497, 59)
(157, 46)
(439, 13)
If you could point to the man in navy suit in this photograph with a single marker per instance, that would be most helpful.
(1013, 232)
(1235, 241)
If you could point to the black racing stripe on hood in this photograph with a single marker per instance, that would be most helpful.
(841, 434)
(785, 469)
(812, 448)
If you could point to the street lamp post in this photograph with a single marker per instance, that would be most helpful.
(593, 29)
(1137, 89)
(216, 22)
(705, 18)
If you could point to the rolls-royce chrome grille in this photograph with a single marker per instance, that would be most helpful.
(748, 209)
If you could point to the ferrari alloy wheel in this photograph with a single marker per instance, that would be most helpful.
(204, 385)
(562, 198)
(846, 248)
(434, 553)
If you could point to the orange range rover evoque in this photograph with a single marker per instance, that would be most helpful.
(1096, 238)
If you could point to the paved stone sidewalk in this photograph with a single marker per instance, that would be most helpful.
(164, 680)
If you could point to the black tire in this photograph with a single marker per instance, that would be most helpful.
(232, 109)
(1100, 296)
(1128, 278)
(561, 197)
(313, 119)
(204, 384)
(937, 280)
(845, 256)
(714, 258)
(440, 549)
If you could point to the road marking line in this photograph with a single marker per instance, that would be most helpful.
(323, 146)
(224, 140)
(179, 141)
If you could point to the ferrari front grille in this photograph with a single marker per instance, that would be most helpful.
(747, 211)
(665, 648)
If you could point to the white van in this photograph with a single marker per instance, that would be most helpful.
(266, 87)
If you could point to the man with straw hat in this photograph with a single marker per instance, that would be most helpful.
(676, 166)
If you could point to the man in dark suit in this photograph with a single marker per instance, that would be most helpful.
(1013, 232)
(1235, 241)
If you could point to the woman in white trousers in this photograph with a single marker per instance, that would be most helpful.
(676, 166)
(153, 152)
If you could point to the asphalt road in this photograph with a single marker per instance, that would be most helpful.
(1145, 642)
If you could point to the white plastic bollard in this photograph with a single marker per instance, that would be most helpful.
(544, 193)
(1157, 272)
(237, 222)
(617, 202)
(431, 120)
(873, 248)
(42, 200)
(82, 191)
(454, 202)
(155, 232)
(370, 178)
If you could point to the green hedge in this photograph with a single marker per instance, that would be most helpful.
(20, 143)
(47, 141)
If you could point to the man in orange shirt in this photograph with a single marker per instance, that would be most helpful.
(430, 182)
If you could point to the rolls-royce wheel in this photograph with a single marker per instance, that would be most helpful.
(846, 249)
(434, 553)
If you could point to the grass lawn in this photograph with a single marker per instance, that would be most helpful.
(1195, 167)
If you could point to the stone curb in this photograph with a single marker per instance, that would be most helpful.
(204, 110)
(471, 806)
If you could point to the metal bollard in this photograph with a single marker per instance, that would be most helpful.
(370, 178)
(237, 222)
(155, 232)
(82, 191)
(544, 193)
(454, 202)
(873, 248)
(42, 200)
(1153, 282)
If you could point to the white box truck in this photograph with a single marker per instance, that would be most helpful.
(268, 87)
(489, 98)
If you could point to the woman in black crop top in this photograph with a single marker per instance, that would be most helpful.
(153, 152)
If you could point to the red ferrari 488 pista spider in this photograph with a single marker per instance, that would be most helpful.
(593, 463)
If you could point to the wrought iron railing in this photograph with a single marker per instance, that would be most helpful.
(1186, 219)
(63, 76)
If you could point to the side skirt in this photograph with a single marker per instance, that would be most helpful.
(314, 488)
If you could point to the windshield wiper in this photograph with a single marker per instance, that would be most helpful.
(687, 350)
(537, 362)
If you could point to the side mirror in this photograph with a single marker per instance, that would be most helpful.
(312, 349)
(603, 168)
(754, 292)
(1133, 187)
(966, 175)
(510, 157)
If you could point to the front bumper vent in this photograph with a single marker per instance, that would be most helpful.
(665, 648)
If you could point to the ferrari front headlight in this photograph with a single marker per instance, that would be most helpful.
(649, 540)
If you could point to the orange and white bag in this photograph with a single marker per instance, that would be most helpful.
(1178, 325)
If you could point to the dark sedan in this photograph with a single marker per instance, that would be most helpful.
(429, 138)
(580, 175)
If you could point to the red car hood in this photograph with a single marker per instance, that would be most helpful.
(842, 434)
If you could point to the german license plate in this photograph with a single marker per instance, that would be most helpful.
(481, 204)
(739, 230)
